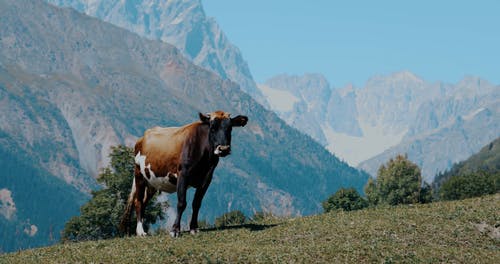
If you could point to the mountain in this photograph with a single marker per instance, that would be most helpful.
(182, 23)
(439, 149)
(302, 104)
(487, 159)
(71, 86)
(436, 124)
(34, 204)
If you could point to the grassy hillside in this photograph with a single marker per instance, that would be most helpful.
(461, 231)
(487, 159)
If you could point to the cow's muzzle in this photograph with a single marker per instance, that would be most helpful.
(222, 151)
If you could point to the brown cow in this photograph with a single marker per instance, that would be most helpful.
(171, 159)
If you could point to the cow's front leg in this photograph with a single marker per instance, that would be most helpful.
(181, 205)
(198, 197)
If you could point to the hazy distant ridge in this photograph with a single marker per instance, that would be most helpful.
(436, 124)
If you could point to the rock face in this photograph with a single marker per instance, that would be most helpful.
(72, 85)
(300, 101)
(181, 23)
(436, 124)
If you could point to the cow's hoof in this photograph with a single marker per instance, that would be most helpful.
(139, 231)
(175, 234)
(194, 231)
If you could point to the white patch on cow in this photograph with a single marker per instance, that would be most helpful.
(194, 231)
(133, 186)
(132, 193)
(217, 151)
(151, 172)
(161, 183)
(141, 161)
(145, 195)
(139, 229)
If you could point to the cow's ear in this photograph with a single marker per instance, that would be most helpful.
(204, 118)
(239, 121)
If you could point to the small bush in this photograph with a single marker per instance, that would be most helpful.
(345, 199)
(231, 218)
(261, 217)
(470, 185)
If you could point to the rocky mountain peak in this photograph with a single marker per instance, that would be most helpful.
(309, 84)
(403, 81)
(182, 23)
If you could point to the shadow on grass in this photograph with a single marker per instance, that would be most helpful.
(251, 227)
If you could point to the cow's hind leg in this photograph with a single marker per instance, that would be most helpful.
(139, 202)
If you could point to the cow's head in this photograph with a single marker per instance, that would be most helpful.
(219, 135)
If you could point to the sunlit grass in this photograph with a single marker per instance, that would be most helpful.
(438, 232)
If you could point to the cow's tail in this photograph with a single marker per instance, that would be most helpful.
(125, 221)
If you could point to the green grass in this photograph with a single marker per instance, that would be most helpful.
(438, 232)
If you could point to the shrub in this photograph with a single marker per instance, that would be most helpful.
(231, 218)
(261, 217)
(470, 185)
(426, 194)
(399, 181)
(345, 199)
(371, 192)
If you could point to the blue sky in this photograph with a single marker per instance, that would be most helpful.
(351, 41)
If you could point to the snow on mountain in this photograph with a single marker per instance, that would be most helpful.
(279, 100)
(356, 149)
(300, 100)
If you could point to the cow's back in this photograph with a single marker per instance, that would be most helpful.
(162, 147)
